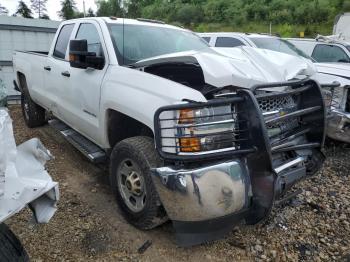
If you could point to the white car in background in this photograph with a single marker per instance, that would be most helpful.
(324, 49)
(338, 124)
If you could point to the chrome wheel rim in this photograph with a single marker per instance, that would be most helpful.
(131, 185)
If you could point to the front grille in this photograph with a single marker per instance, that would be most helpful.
(294, 118)
(276, 106)
(277, 103)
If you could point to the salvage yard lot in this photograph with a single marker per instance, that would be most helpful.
(88, 225)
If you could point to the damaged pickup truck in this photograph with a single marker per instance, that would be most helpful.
(191, 135)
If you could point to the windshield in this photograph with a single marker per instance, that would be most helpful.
(279, 45)
(348, 47)
(137, 42)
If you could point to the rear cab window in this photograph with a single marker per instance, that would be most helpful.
(63, 41)
(228, 42)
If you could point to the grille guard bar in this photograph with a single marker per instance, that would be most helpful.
(267, 183)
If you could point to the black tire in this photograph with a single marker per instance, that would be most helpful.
(11, 249)
(33, 114)
(140, 150)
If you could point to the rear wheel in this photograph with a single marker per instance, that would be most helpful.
(11, 248)
(131, 161)
(33, 114)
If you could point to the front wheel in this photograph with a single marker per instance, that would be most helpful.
(131, 161)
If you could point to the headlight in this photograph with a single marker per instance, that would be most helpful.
(206, 129)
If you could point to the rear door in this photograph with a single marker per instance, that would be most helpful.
(56, 81)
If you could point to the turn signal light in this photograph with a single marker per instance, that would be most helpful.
(188, 144)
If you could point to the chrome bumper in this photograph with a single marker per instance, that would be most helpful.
(202, 194)
(338, 125)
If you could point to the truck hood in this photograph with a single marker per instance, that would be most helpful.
(242, 67)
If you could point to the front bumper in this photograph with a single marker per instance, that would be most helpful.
(206, 203)
(338, 125)
(184, 193)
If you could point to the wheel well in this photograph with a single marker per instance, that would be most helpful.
(21, 80)
(121, 126)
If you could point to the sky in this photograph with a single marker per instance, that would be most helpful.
(53, 6)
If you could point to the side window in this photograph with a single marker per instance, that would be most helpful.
(207, 39)
(228, 42)
(329, 53)
(89, 32)
(62, 41)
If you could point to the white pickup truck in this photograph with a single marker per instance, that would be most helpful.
(202, 138)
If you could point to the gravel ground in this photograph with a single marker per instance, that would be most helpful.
(88, 225)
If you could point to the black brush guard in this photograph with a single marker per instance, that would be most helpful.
(257, 150)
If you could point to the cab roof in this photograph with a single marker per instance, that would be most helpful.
(127, 21)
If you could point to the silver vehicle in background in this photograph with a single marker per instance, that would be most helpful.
(324, 49)
(334, 77)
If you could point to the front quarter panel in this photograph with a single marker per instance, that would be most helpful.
(138, 95)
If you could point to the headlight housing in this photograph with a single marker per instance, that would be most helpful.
(199, 129)
(206, 129)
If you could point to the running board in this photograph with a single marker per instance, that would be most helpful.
(93, 152)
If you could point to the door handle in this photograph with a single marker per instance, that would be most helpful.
(66, 74)
(47, 68)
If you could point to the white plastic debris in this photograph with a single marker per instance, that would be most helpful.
(23, 178)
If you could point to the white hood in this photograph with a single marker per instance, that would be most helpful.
(265, 66)
(242, 67)
(330, 72)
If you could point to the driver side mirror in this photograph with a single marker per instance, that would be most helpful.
(80, 57)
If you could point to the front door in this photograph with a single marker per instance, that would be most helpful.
(85, 90)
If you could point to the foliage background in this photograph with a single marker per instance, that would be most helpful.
(288, 17)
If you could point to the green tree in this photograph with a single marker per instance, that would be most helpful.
(23, 10)
(90, 13)
(39, 7)
(45, 16)
(3, 10)
(135, 7)
(109, 8)
(188, 14)
(68, 10)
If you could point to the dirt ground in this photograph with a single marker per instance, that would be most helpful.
(88, 225)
